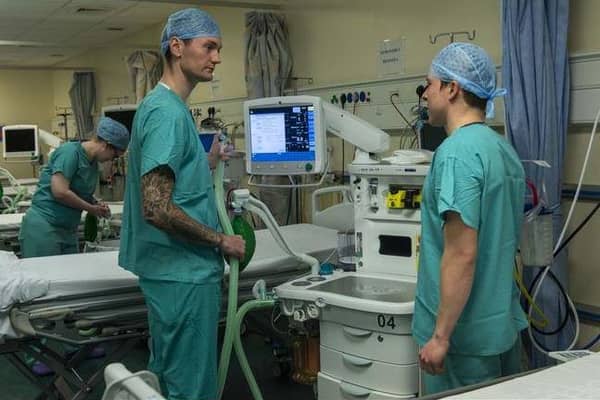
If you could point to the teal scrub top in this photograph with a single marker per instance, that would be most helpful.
(477, 174)
(72, 162)
(164, 133)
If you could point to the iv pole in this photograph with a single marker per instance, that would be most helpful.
(64, 114)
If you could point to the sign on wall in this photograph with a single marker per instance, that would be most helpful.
(390, 57)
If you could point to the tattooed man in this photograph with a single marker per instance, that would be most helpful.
(170, 235)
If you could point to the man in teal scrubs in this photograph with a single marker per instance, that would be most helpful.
(170, 235)
(65, 188)
(467, 313)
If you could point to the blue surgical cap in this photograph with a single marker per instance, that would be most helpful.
(189, 23)
(472, 68)
(113, 132)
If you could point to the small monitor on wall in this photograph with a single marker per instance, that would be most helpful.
(122, 113)
(20, 141)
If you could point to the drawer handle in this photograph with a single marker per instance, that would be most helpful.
(357, 361)
(353, 390)
(357, 332)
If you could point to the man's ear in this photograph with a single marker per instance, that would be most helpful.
(176, 46)
(453, 90)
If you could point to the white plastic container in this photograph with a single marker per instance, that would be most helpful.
(536, 241)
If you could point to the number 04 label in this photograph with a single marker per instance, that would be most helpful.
(386, 321)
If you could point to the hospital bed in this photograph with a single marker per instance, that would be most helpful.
(5, 181)
(90, 300)
(10, 224)
(576, 379)
(11, 190)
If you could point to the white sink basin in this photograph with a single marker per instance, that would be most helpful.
(379, 293)
(368, 288)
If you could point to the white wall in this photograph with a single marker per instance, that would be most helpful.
(25, 98)
(339, 44)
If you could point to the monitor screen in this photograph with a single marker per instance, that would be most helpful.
(122, 113)
(283, 133)
(284, 136)
(20, 140)
(432, 137)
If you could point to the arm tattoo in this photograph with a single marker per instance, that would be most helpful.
(159, 210)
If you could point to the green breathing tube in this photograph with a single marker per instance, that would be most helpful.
(234, 316)
(239, 349)
(232, 298)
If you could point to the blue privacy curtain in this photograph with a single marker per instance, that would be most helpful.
(535, 70)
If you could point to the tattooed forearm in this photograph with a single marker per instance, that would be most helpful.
(159, 210)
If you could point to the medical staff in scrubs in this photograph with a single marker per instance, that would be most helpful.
(65, 188)
(170, 235)
(467, 315)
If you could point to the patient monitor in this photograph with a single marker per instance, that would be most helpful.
(20, 141)
(287, 135)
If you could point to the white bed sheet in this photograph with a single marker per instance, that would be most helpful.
(78, 273)
(577, 379)
(16, 285)
(12, 222)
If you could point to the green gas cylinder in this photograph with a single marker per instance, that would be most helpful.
(242, 227)
(90, 228)
(1, 190)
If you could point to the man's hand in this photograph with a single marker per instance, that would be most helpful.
(218, 152)
(432, 355)
(233, 245)
(100, 210)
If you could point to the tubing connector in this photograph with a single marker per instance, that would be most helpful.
(239, 199)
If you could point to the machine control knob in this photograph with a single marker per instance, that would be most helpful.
(312, 311)
(320, 302)
(300, 315)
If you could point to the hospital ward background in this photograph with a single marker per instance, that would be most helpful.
(327, 112)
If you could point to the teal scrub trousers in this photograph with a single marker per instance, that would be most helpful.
(463, 370)
(38, 238)
(183, 320)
